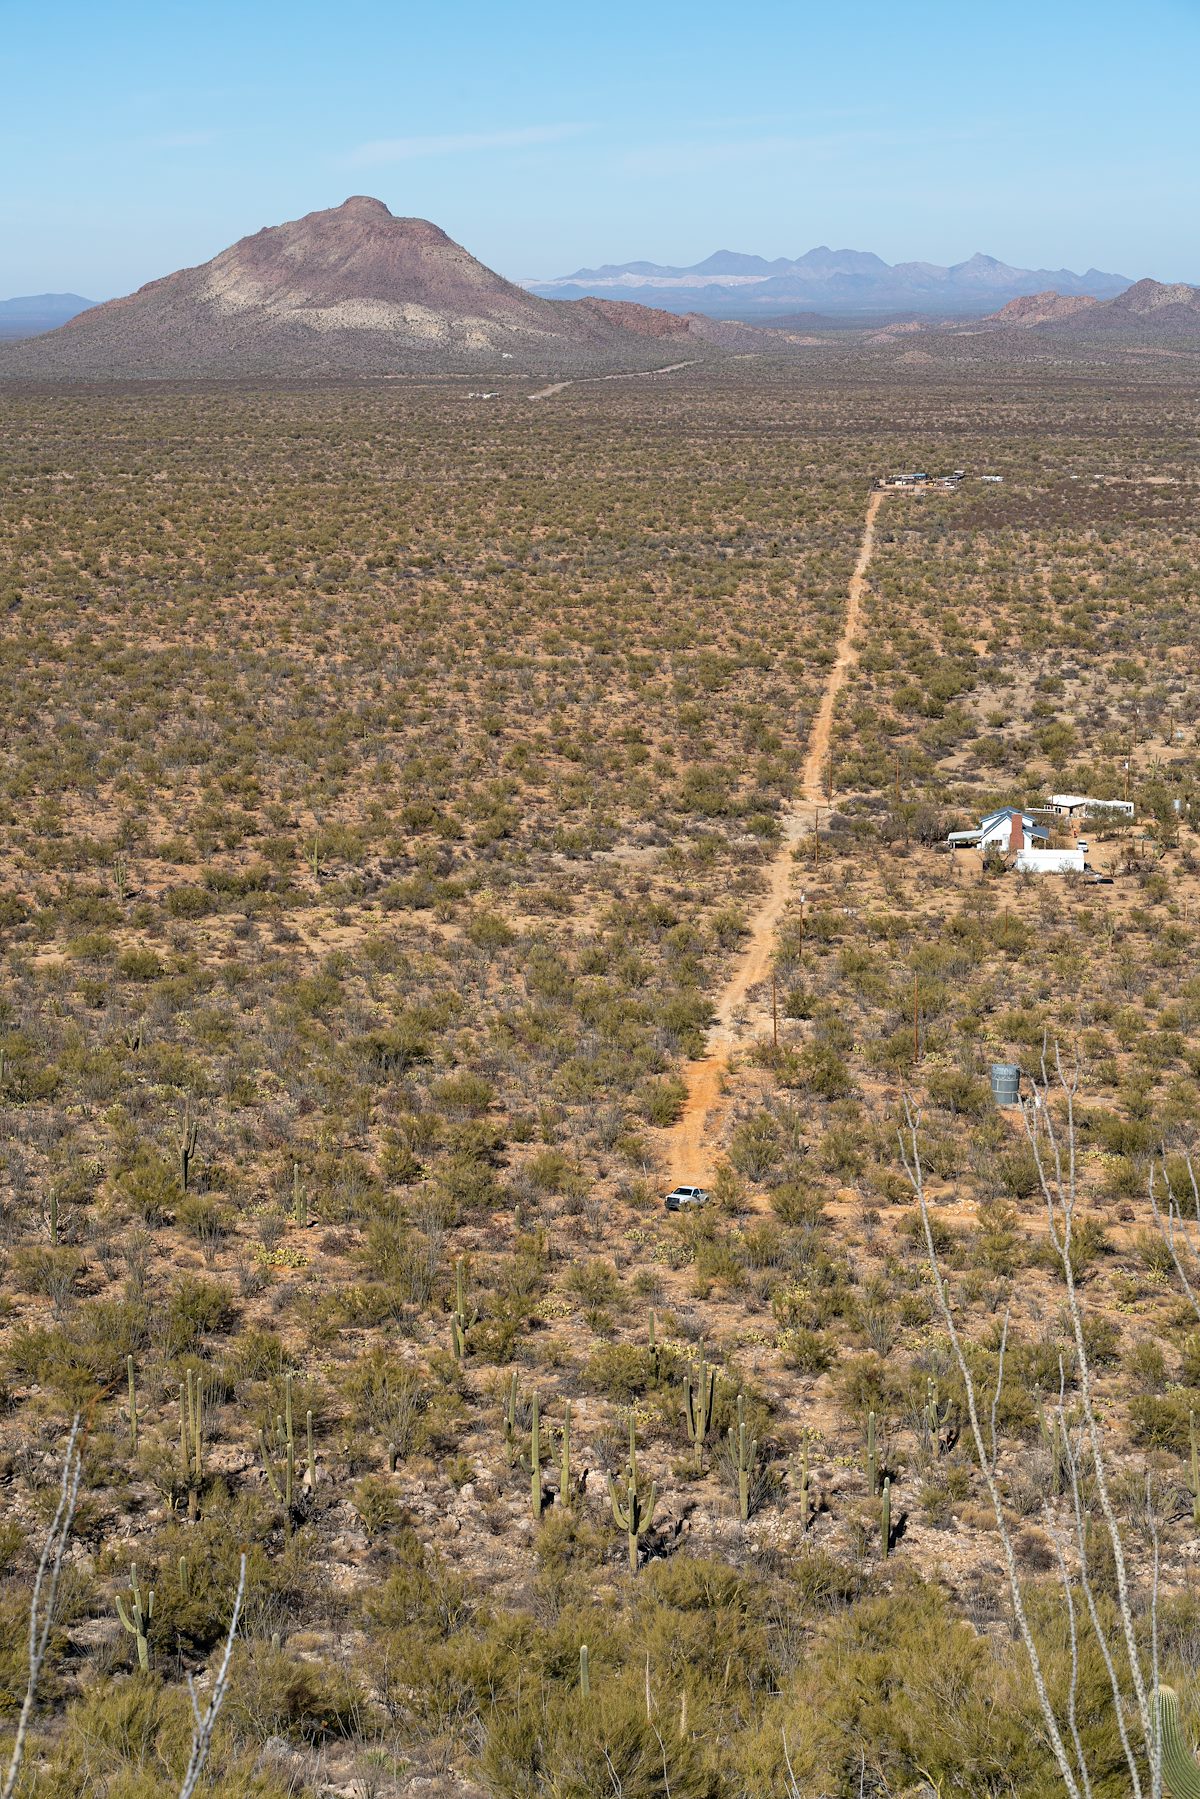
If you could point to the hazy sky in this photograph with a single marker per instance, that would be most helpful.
(136, 138)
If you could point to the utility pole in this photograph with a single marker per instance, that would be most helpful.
(800, 948)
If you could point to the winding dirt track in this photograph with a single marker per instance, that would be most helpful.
(689, 1147)
(556, 387)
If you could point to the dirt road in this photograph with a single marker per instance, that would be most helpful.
(689, 1147)
(544, 393)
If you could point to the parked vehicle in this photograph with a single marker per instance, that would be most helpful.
(681, 1198)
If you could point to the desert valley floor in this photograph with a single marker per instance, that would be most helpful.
(430, 829)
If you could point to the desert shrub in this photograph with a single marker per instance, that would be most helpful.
(150, 1188)
(754, 1147)
(276, 1693)
(378, 1506)
(624, 1371)
(195, 1309)
(793, 1202)
(808, 1351)
(594, 1746)
(661, 1102)
(387, 1397)
(1161, 1420)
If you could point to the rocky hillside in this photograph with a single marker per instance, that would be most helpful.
(1150, 311)
(350, 291)
(1042, 309)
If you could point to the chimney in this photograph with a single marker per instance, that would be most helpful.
(1016, 839)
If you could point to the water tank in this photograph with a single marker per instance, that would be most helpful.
(1006, 1083)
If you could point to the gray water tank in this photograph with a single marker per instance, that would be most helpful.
(1006, 1083)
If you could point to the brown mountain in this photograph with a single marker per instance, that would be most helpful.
(1174, 301)
(1042, 309)
(355, 291)
(1149, 313)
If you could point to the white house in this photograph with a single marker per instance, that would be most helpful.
(1078, 805)
(1001, 833)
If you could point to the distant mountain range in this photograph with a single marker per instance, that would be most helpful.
(729, 284)
(356, 291)
(29, 314)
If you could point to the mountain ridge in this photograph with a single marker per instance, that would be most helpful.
(352, 290)
(732, 283)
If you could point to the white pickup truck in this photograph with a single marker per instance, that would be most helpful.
(681, 1198)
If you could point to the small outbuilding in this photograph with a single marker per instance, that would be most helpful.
(1080, 805)
(1050, 862)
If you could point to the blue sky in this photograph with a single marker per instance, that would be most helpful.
(137, 138)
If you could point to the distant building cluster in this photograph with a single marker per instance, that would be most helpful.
(922, 480)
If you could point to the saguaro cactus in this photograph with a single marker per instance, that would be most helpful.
(460, 1323)
(136, 1618)
(804, 1490)
(191, 1439)
(1054, 1436)
(510, 1421)
(885, 1519)
(566, 1491)
(187, 1143)
(537, 1499)
(699, 1399)
(633, 1512)
(745, 1454)
(133, 1411)
(585, 1673)
(299, 1198)
(280, 1467)
(936, 1417)
(1180, 1769)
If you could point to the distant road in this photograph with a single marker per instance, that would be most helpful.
(556, 387)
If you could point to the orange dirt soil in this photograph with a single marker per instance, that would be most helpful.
(689, 1147)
